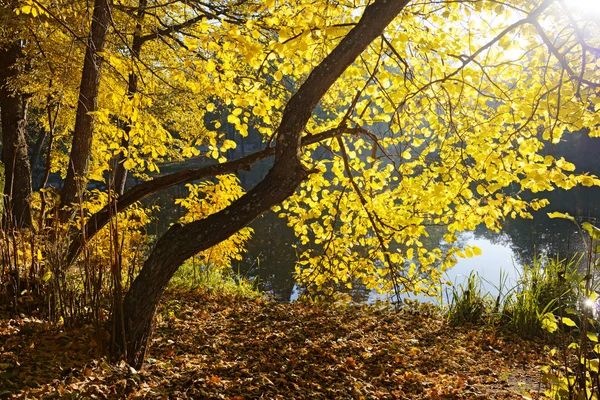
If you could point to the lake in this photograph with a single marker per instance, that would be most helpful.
(271, 256)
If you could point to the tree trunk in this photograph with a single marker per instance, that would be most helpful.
(120, 174)
(88, 102)
(13, 106)
(182, 242)
(36, 159)
(144, 189)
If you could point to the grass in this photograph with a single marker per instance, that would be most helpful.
(468, 304)
(193, 276)
(543, 287)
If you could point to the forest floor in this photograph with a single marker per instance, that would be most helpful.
(223, 348)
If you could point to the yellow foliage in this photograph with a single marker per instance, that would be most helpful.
(463, 110)
(207, 198)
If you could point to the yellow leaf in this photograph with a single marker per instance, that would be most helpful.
(232, 119)
(210, 66)
(560, 215)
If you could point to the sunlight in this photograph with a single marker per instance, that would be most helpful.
(589, 303)
(589, 7)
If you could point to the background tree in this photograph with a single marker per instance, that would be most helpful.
(13, 107)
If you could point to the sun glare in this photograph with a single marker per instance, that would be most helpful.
(589, 303)
(588, 7)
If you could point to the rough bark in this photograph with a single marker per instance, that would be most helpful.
(182, 242)
(35, 159)
(13, 107)
(88, 102)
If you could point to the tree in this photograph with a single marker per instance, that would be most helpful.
(13, 106)
(87, 105)
(282, 180)
(382, 125)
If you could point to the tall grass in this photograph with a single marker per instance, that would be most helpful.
(469, 304)
(545, 286)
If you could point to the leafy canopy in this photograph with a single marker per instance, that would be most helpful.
(459, 106)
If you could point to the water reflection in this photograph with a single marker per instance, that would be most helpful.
(271, 256)
(552, 237)
(272, 253)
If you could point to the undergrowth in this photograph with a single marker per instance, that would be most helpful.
(468, 303)
(554, 299)
(520, 306)
(195, 276)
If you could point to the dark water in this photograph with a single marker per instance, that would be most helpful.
(271, 256)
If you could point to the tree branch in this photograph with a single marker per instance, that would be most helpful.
(142, 190)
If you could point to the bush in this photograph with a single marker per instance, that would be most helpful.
(542, 288)
(195, 276)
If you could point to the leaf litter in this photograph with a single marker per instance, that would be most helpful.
(207, 347)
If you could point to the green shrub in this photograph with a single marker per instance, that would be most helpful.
(542, 288)
(194, 276)
(574, 372)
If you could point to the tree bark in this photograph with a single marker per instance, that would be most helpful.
(182, 242)
(37, 166)
(88, 102)
(120, 172)
(13, 107)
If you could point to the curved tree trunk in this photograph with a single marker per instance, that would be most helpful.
(144, 189)
(88, 102)
(182, 242)
(15, 156)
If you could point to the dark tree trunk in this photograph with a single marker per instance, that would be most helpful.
(15, 156)
(120, 174)
(178, 244)
(182, 242)
(37, 166)
(88, 102)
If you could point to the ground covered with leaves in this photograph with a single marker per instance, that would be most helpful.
(226, 348)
